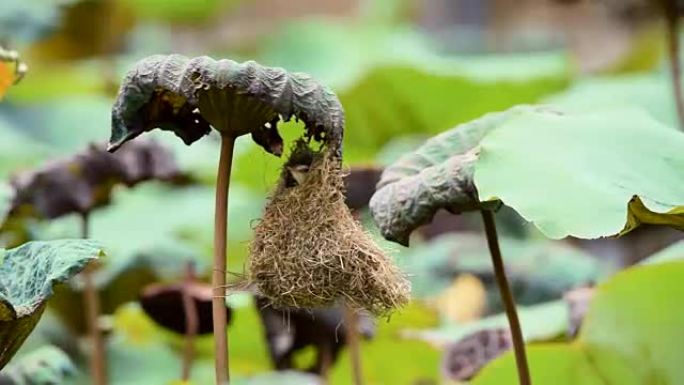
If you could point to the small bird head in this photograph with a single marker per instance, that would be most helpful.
(298, 173)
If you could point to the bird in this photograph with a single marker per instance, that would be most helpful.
(297, 174)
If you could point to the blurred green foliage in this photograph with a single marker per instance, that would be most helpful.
(389, 359)
(398, 87)
(630, 336)
(183, 11)
(542, 322)
(45, 366)
(539, 270)
(392, 82)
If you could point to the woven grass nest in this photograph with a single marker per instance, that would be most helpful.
(309, 251)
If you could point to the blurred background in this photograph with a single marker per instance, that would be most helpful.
(404, 70)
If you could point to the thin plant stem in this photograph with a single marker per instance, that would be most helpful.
(326, 363)
(507, 297)
(91, 298)
(220, 260)
(672, 22)
(191, 322)
(353, 343)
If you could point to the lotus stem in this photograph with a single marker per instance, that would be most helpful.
(325, 353)
(507, 297)
(220, 260)
(672, 22)
(353, 343)
(191, 322)
(91, 298)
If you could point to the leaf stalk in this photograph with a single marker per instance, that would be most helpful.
(91, 299)
(351, 321)
(507, 297)
(191, 322)
(672, 24)
(219, 312)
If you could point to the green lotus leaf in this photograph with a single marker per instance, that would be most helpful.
(47, 365)
(578, 174)
(27, 276)
(185, 96)
(587, 175)
(631, 335)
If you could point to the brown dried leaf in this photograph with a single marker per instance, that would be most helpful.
(462, 360)
(164, 304)
(85, 181)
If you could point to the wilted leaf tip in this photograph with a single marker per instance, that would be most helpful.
(437, 175)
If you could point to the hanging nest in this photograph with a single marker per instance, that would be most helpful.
(310, 252)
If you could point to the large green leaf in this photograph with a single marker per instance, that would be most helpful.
(45, 366)
(586, 175)
(632, 334)
(27, 276)
(568, 173)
